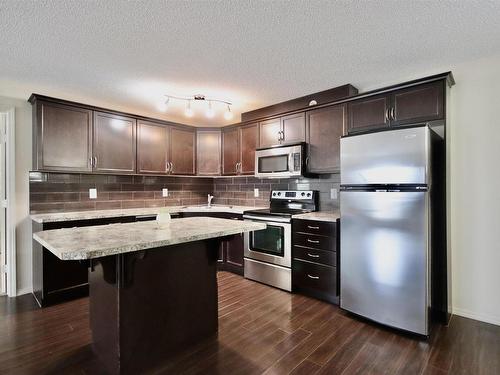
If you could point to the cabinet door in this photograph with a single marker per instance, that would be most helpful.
(230, 151)
(294, 128)
(248, 142)
(325, 126)
(208, 152)
(153, 141)
(369, 113)
(64, 137)
(182, 151)
(418, 104)
(270, 133)
(114, 143)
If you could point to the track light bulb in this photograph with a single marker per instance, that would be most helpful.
(189, 112)
(210, 112)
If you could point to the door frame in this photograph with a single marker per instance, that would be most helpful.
(10, 190)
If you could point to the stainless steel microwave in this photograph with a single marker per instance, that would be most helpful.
(280, 162)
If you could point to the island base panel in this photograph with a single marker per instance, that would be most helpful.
(147, 305)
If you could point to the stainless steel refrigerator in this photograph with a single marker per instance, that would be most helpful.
(386, 220)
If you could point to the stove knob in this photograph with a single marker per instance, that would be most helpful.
(274, 194)
(279, 194)
(308, 194)
(303, 194)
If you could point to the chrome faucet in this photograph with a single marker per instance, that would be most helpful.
(209, 200)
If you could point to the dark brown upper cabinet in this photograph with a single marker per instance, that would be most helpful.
(114, 143)
(270, 132)
(249, 138)
(416, 104)
(369, 113)
(182, 151)
(62, 137)
(284, 130)
(208, 152)
(230, 151)
(324, 128)
(153, 148)
(238, 149)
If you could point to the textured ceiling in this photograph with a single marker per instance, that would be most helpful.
(126, 55)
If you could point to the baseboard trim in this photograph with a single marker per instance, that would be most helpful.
(476, 316)
(23, 291)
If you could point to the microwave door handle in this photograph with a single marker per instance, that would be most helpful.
(290, 162)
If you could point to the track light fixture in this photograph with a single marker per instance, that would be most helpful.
(209, 113)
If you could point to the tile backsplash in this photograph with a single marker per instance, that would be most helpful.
(59, 192)
(240, 190)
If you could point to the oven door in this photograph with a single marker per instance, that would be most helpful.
(270, 245)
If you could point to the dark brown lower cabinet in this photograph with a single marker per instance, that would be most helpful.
(231, 249)
(315, 259)
(55, 280)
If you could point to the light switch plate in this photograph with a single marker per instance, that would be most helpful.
(93, 193)
(256, 193)
(164, 192)
(333, 193)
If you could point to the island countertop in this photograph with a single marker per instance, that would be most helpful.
(103, 240)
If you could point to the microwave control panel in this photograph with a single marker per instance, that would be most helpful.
(296, 161)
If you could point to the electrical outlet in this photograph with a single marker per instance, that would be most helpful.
(164, 192)
(93, 193)
(256, 193)
(333, 193)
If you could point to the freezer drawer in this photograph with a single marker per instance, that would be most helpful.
(384, 257)
(388, 157)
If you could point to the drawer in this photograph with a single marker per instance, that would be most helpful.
(314, 241)
(314, 277)
(323, 228)
(328, 258)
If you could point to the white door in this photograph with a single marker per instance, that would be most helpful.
(3, 205)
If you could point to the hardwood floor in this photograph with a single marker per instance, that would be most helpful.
(262, 330)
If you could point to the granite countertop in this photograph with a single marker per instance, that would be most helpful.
(102, 214)
(330, 216)
(103, 240)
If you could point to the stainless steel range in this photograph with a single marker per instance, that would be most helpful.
(268, 252)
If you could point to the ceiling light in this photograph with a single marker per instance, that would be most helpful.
(189, 111)
(210, 111)
(228, 115)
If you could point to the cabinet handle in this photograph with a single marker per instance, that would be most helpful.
(387, 116)
(311, 227)
(167, 167)
(95, 161)
(91, 161)
(171, 167)
(312, 241)
(313, 277)
(393, 113)
(313, 255)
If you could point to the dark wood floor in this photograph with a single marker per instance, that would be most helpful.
(262, 330)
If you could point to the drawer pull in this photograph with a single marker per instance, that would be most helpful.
(313, 277)
(313, 255)
(312, 241)
(311, 227)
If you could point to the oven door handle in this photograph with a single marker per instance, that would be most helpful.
(267, 218)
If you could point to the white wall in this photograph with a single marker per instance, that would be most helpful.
(475, 182)
(23, 165)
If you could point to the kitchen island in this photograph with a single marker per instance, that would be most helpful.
(152, 291)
